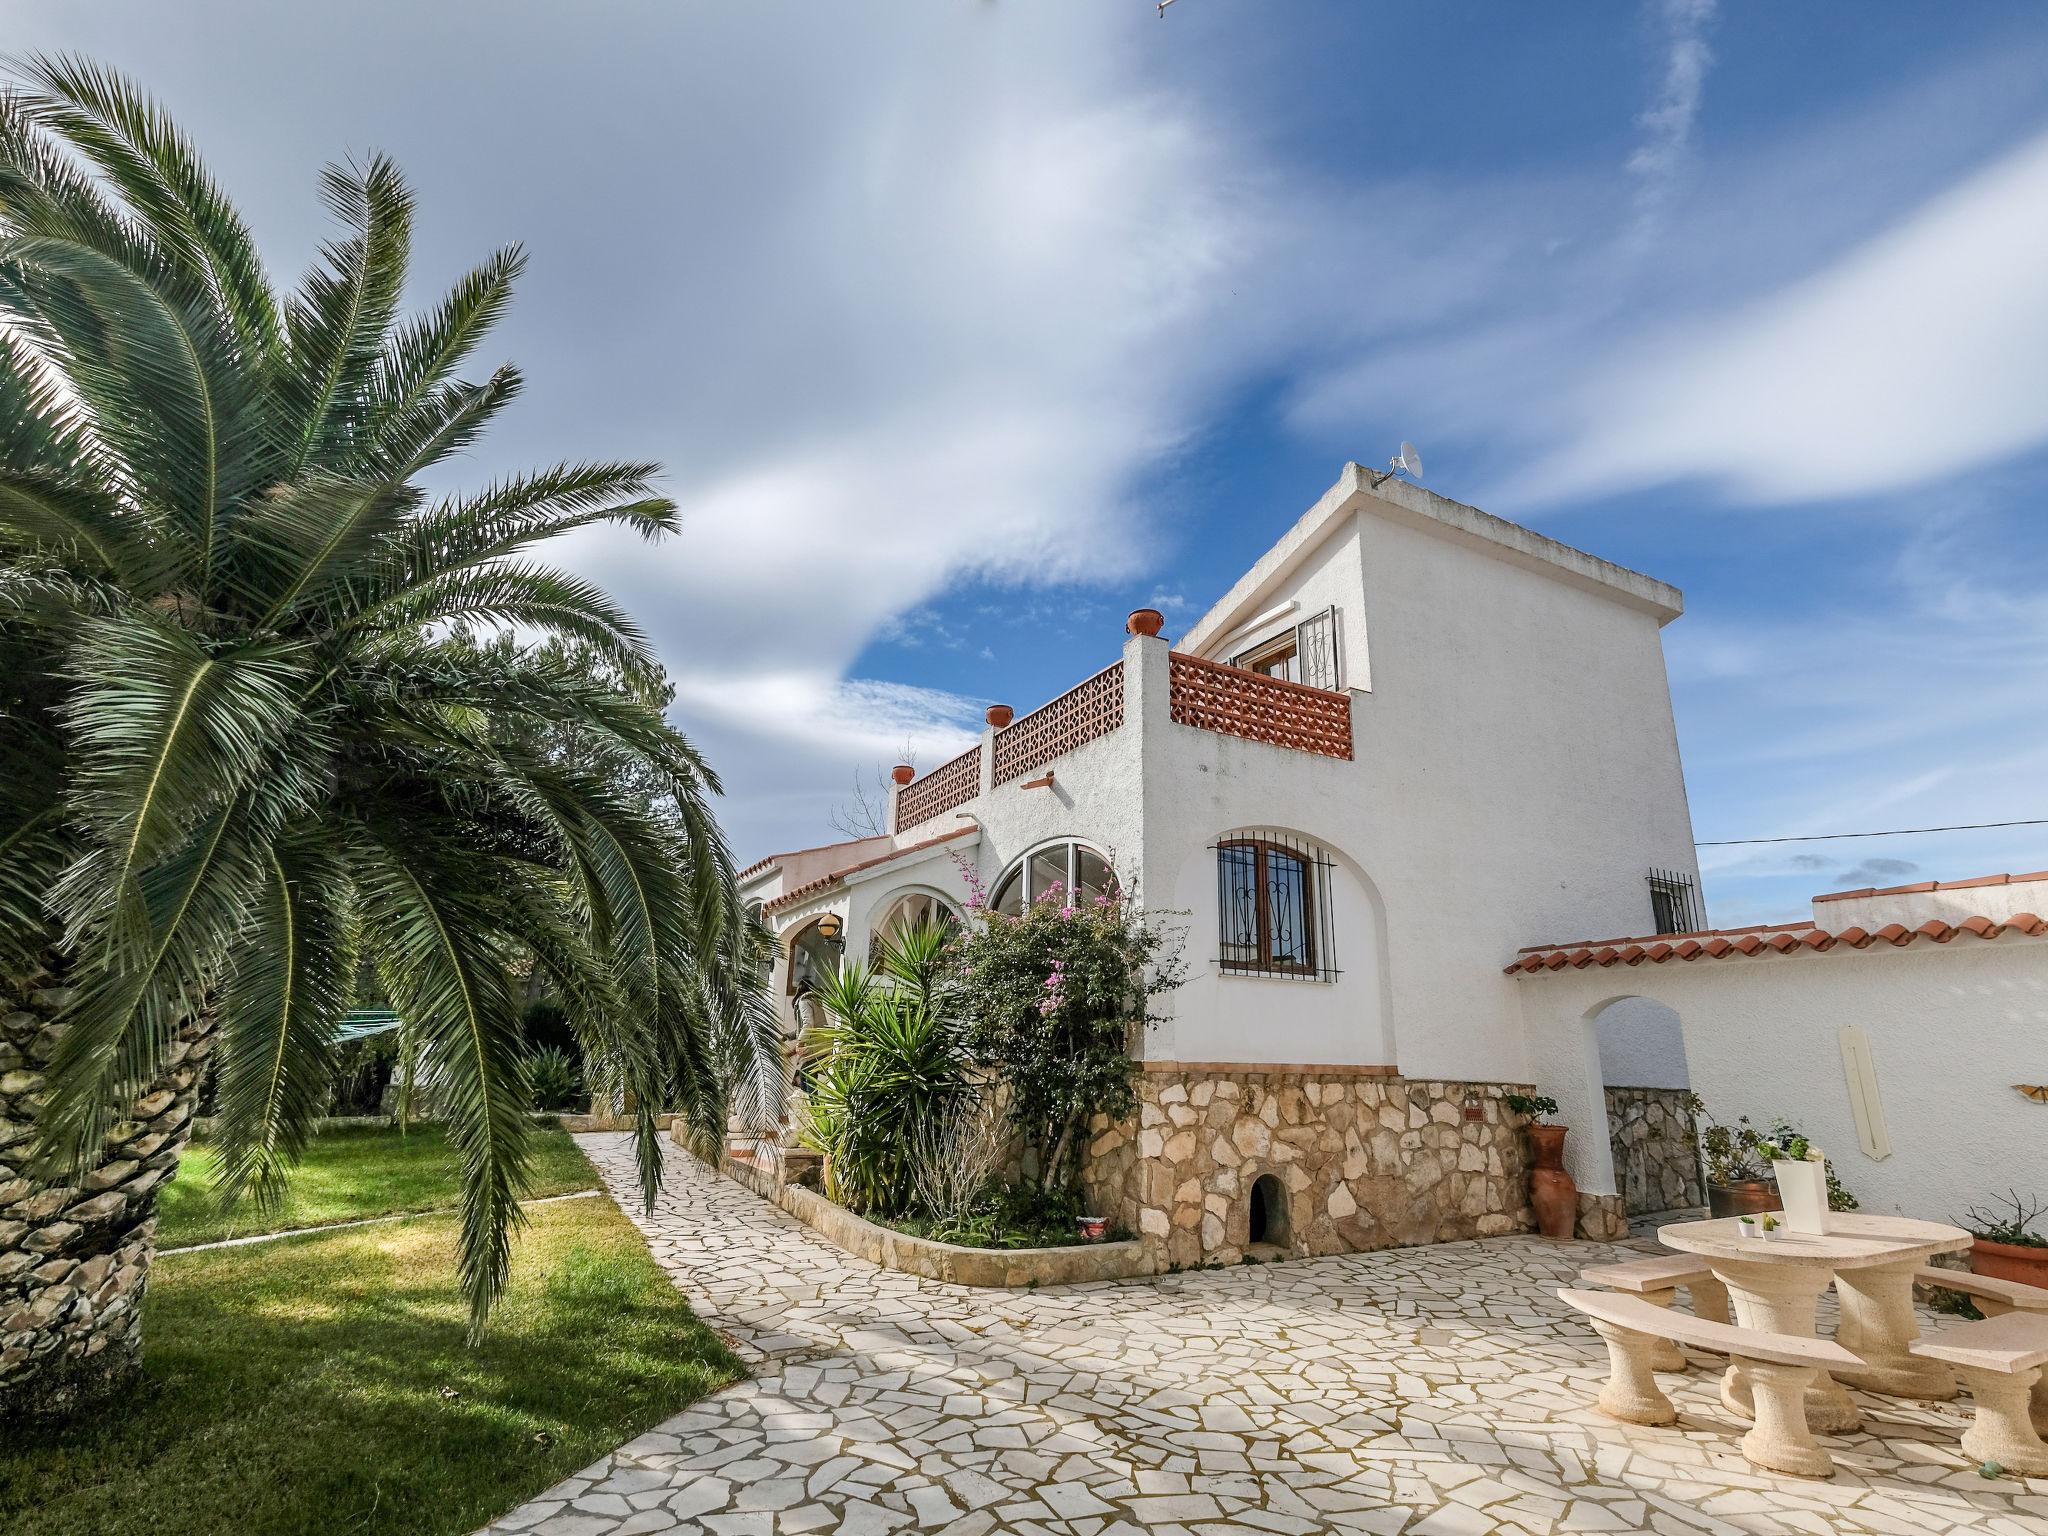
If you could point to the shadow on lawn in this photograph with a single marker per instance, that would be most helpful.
(322, 1383)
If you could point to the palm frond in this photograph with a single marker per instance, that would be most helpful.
(425, 353)
(163, 733)
(442, 958)
(337, 322)
(281, 998)
(141, 153)
(139, 984)
(169, 399)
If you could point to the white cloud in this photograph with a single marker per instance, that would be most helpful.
(1668, 123)
(1922, 352)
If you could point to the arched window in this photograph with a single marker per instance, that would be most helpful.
(911, 910)
(1065, 868)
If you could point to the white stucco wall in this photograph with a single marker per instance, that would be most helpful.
(2006, 897)
(1951, 1028)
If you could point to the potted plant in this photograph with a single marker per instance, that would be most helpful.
(1746, 1225)
(1802, 1175)
(1773, 1229)
(1551, 1190)
(2007, 1247)
(1736, 1185)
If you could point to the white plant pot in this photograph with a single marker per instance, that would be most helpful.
(1750, 1231)
(1803, 1188)
(1772, 1234)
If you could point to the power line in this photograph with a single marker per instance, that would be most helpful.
(1829, 837)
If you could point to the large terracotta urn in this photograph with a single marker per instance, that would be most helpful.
(2010, 1261)
(1551, 1190)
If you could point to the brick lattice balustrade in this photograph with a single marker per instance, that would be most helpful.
(1087, 710)
(1234, 702)
(946, 786)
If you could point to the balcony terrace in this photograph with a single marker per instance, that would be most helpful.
(1201, 694)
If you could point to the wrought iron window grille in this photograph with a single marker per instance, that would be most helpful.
(1307, 653)
(1675, 905)
(1273, 908)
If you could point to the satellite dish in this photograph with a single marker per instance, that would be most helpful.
(1407, 462)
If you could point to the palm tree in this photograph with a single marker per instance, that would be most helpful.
(245, 734)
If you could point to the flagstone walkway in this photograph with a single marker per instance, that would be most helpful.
(1441, 1391)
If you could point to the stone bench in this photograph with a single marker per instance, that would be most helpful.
(1780, 1367)
(1999, 1359)
(1995, 1298)
(1656, 1279)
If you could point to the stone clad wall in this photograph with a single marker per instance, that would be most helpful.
(1656, 1150)
(1368, 1160)
(74, 1258)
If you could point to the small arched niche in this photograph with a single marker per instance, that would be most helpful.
(1267, 1224)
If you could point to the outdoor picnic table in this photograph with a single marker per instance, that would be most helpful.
(1776, 1286)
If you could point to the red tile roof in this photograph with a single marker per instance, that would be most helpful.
(1767, 938)
(1934, 885)
(825, 882)
(795, 853)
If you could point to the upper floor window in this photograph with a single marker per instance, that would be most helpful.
(1307, 653)
(1055, 869)
(1273, 908)
(1675, 902)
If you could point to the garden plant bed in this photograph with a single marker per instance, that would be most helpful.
(911, 1255)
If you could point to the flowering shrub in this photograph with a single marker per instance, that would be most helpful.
(1054, 1001)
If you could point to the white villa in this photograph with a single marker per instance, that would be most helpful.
(1407, 757)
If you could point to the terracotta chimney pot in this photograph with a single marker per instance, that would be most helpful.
(903, 773)
(1145, 621)
(999, 715)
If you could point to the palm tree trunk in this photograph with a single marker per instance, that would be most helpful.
(75, 1258)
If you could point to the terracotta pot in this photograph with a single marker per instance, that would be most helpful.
(999, 715)
(1748, 1197)
(903, 773)
(1145, 621)
(1092, 1227)
(1551, 1190)
(2010, 1261)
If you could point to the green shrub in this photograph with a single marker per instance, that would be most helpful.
(886, 1069)
(553, 1079)
(1055, 1000)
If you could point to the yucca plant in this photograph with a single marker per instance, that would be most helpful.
(244, 737)
(889, 1064)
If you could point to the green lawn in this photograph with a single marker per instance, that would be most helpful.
(320, 1383)
(351, 1172)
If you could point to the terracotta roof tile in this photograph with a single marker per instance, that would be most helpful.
(1934, 885)
(794, 853)
(1767, 938)
(825, 882)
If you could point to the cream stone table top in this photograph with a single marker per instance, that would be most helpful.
(1854, 1240)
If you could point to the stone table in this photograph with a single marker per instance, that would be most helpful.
(1776, 1286)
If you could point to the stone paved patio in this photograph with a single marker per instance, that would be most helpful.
(1432, 1390)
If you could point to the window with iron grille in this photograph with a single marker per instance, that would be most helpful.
(1307, 653)
(1675, 902)
(1273, 908)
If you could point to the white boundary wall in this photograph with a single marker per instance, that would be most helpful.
(1951, 1029)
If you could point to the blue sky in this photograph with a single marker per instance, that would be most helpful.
(964, 325)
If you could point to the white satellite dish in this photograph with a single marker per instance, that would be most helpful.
(1407, 462)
